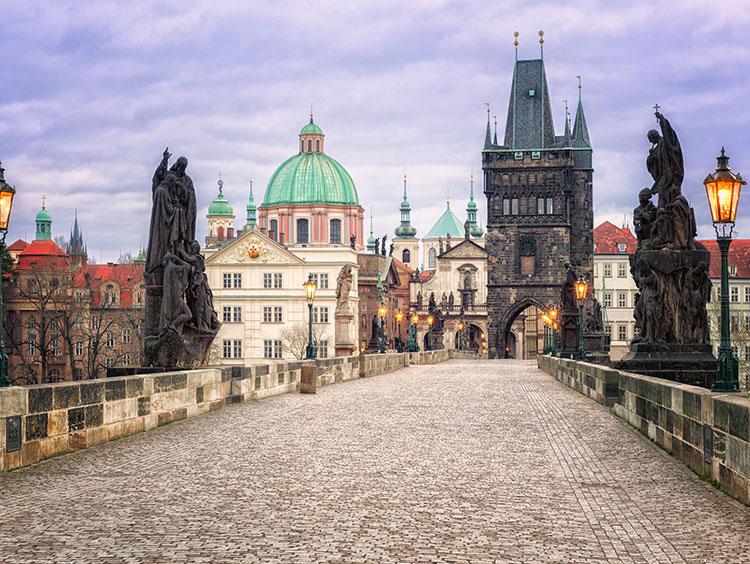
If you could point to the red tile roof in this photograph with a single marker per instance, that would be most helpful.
(739, 257)
(401, 265)
(127, 276)
(18, 245)
(425, 275)
(43, 253)
(607, 237)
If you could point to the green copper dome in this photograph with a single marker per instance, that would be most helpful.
(220, 205)
(43, 215)
(309, 178)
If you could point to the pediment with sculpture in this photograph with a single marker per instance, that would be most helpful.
(254, 248)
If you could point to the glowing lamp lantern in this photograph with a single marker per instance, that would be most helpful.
(460, 325)
(582, 289)
(723, 192)
(430, 320)
(6, 201)
(547, 320)
(382, 310)
(553, 314)
(399, 316)
(310, 287)
(415, 319)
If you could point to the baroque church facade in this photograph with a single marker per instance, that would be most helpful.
(539, 203)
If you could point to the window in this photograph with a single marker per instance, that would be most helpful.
(734, 294)
(303, 231)
(309, 145)
(432, 262)
(227, 348)
(622, 299)
(550, 205)
(110, 340)
(317, 145)
(273, 231)
(110, 362)
(266, 279)
(320, 279)
(747, 322)
(266, 314)
(53, 347)
(608, 329)
(518, 155)
(277, 280)
(732, 270)
(237, 314)
(320, 314)
(277, 315)
(323, 349)
(126, 359)
(607, 270)
(747, 294)
(94, 321)
(32, 345)
(79, 348)
(126, 335)
(734, 321)
(226, 314)
(622, 271)
(335, 231)
(540, 206)
(607, 299)
(77, 373)
(406, 259)
(79, 324)
(747, 352)
(79, 297)
(237, 348)
(272, 348)
(227, 280)
(506, 206)
(622, 332)
(54, 375)
(237, 280)
(514, 206)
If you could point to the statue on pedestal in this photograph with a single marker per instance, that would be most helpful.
(671, 271)
(180, 322)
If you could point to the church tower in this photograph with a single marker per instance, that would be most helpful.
(539, 203)
(43, 223)
(76, 246)
(405, 244)
(220, 219)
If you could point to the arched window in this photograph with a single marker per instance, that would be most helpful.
(432, 262)
(506, 205)
(335, 231)
(317, 145)
(309, 145)
(274, 231)
(406, 256)
(220, 232)
(303, 231)
(301, 145)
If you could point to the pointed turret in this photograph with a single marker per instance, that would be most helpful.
(76, 247)
(252, 216)
(371, 247)
(580, 131)
(567, 137)
(494, 139)
(488, 133)
(471, 211)
(405, 229)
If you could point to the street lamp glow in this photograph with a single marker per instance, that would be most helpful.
(382, 311)
(553, 313)
(723, 192)
(582, 288)
(430, 320)
(310, 287)
(460, 326)
(399, 316)
(415, 319)
(6, 201)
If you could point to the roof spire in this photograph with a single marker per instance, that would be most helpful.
(251, 209)
(471, 184)
(220, 183)
(405, 228)
(541, 43)
(311, 113)
(44, 201)
(580, 130)
(488, 133)
(494, 117)
(567, 121)
(404, 186)
(578, 76)
(515, 43)
(448, 197)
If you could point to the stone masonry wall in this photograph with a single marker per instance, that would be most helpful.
(709, 432)
(45, 420)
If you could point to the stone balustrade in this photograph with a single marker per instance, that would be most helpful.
(45, 420)
(709, 432)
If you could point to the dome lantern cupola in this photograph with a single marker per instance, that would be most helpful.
(43, 222)
(220, 219)
(311, 138)
(405, 229)
(471, 212)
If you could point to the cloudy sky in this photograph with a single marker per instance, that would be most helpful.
(92, 92)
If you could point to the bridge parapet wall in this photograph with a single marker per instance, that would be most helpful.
(709, 432)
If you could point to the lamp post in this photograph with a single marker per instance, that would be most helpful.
(430, 321)
(411, 340)
(382, 311)
(547, 321)
(582, 290)
(460, 335)
(723, 192)
(6, 204)
(553, 313)
(399, 343)
(310, 287)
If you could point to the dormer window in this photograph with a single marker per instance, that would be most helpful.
(621, 247)
(732, 271)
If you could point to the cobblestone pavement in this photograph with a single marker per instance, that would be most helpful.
(462, 461)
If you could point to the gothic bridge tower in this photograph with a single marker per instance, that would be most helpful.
(539, 204)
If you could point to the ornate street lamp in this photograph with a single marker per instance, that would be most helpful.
(460, 334)
(547, 320)
(6, 204)
(310, 286)
(399, 343)
(382, 311)
(430, 321)
(553, 313)
(723, 192)
(582, 291)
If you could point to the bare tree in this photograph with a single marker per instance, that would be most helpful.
(294, 338)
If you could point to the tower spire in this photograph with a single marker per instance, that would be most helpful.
(580, 130)
(515, 43)
(494, 117)
(252, 217)
(471, 211)
(488, 133)
(567, 122)
(541, 44)
(371, 239)
(405, 228)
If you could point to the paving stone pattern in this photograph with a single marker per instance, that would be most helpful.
(455, 462)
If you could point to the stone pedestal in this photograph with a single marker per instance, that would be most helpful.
(308, 382)
(344, 344)
(692, 364)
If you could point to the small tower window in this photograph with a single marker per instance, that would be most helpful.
(335, 232)
(506, 206)
(301, 146)
(220, 232)
(432, 258)
(309, 145)
(303, 231)
(317, 145)
(550, 205)
(274, 231)
(514, 206)
(406, 256)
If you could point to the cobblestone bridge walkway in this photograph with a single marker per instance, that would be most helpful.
(462, 461)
